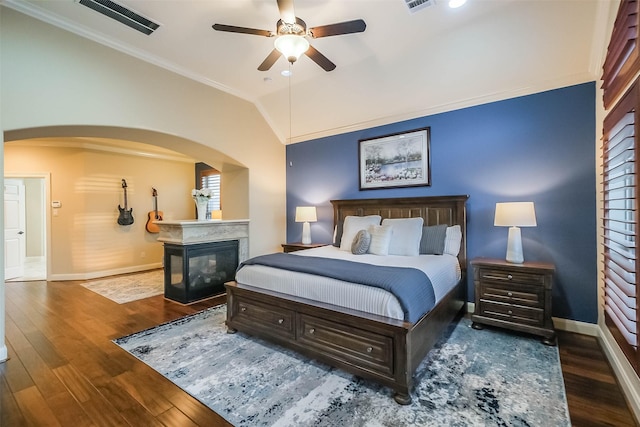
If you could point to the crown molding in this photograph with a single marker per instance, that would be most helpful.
(43, 15)
(443, 108)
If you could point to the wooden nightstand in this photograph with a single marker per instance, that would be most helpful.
(297, 246)
(514, 296)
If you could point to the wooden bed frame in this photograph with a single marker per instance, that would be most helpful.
(385, 350)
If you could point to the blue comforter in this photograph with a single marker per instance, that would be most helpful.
(410, 286)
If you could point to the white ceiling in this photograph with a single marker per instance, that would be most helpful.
(403, 66)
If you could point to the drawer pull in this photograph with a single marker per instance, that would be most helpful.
(510, 312)
(243, 308)
(509, 276)
(312, 331)
(281, 321)
(369, 349)
(510, 294)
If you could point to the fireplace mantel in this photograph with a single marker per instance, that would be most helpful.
(187, 232)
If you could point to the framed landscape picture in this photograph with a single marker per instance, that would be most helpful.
(398, 160)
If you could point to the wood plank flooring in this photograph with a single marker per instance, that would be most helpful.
(63, 369)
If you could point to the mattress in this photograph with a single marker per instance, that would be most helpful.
(442, 270)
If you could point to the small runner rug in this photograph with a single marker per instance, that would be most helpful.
(473, 378)
(129, 287)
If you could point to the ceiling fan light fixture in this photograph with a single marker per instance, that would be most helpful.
(291, 46)
(456, 3)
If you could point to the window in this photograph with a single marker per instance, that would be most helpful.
(620, 223)
(208, 177)
(622, 61)
(620, 182)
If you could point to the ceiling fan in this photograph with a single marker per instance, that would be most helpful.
(291, 33)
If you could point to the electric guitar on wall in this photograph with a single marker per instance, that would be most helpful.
(154, 215)
(125, 217)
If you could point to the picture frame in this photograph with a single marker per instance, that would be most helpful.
(396, 160)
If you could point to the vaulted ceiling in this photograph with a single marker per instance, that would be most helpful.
(404, 65)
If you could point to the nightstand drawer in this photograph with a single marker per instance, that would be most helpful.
(487, 274)
(531, 296)
(512, 313)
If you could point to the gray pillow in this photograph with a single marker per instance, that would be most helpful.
(338, 238)
(361, 242)
(432, 241)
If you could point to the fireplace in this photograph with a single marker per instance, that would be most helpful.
(200, 256)
(195, 272)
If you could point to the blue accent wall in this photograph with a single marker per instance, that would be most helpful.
(538, 148)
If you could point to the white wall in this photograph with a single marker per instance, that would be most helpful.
(54, 83)
(57, 82)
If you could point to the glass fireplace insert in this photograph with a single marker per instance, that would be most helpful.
(198, 271)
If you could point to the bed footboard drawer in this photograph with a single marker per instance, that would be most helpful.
(347, 344)
(271, 320)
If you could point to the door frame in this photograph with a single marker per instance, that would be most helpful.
(46, 176)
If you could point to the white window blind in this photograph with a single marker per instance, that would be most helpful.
(620, 223)
(212, 181)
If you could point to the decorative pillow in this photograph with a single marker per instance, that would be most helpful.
(432, 241)
(361, 243)
(406, 236)
(380, 238)
(351, 226)
(336, 235)
(452, 240)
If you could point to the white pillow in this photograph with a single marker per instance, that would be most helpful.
(353, 224)
(452, 240)
(407, 233)
(380, 238)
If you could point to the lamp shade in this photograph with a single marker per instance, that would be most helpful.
(291, 46)
(306, 214)
(515, 214)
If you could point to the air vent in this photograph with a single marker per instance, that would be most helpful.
(121, 14)
(416, 5)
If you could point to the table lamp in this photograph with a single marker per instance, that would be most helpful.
(306, 214)
(515, 215)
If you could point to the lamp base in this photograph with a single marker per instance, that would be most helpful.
(514, 246)
(306, 233)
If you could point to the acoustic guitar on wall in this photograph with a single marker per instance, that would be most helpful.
(154, 215)
(125, 217)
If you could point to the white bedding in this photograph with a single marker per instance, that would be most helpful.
(442, 270)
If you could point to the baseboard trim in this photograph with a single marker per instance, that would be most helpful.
(624, 373)
(576, 327)
(104, 273)
(4, 355)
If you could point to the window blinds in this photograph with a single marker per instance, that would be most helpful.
(620, 223)
(212, 182)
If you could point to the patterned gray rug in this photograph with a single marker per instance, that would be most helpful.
(130, 287)
(473, 378)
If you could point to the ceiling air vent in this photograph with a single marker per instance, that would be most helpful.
(416, 5)
(121, 14)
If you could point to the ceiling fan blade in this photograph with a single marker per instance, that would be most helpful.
(243, 30)
(348, 27)
(287, 14)
(269, 60)
(320, 59)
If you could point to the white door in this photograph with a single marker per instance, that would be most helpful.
(14, 229)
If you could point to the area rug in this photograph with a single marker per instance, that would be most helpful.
(473, 378)
(130, 287)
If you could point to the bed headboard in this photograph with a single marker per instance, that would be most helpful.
(450, 210)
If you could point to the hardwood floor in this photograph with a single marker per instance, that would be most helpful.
(64, 370)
